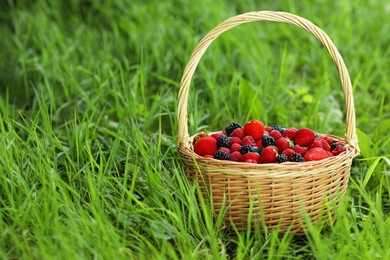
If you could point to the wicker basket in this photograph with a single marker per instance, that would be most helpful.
(278, 195)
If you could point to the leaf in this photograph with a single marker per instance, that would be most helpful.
(365, 144)
(162, 229)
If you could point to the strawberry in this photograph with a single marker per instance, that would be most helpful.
(316, 143)
(304, 137)
(283, 143)
(235, 147)
(315, 154)
(226, 150)
(269, 154)
(251, 156)
(234, 140)
(259, 143)
(236, 156)
(198, 137)
(339, 149)
(328, 139)
(206, 146)
(300, 149)
(290, 133)
(275, 134)
(254, 128)
(325, 144)
(330, 154)
(289, 152)
(248, 140)
(238, 132)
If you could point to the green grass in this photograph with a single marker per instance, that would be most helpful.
(88, 102)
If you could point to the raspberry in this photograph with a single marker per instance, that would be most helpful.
(248, 140)
(282, 158)
(236, 156)
(254, 128)
(223, 141)
(268, 129)
(221, 155)
(226, 150)
(339, 149)
(275, 134)
(217, 135)
(269, 154)
(304, 137)
(230, 128)
(267, 141)
(300, 149)
(315, 154)
(238, 132)
(245, 149)
(296, 157)
(234, 140)
(251, 156)
(206, 146)
(288, 152)
(290, 133)
(235, 147)
(259, 143)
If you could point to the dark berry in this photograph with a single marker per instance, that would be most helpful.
(282, 158)
(278, 128)
(221, 155)
(261, 150)
(230, 128)
(255, 149)
(296, 157)
(223, 141)
(245, 149)
(267, 141)
(334, 145)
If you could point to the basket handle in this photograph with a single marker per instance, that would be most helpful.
(350, 135)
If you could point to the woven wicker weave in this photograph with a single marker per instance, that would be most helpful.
(279, 195)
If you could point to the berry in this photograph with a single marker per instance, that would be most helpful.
(235, 147)
(339, 149)
(230, 128)
(226, 150)
(278, 128)
(221, 155)
(208, 156)
(238, 132)
(198, 137)
(304, 137)
(259, 143)
(290, 133)
(334, 145)
(268, 140)
(288, 152)
(206, 146)
(248, 140)
(315, 154)
(245, 149)
(296, 157)
(235, 156)
(254, 128)
(282, 158)
(283, 144)
(255, 149)
(234, 140)
(328, 139)
(300, 149)
(316, 143)
(275, 134)
(251, 156)
(268, 129)
(217, 135)
(325, 144)
(223, 141)
(269, 154)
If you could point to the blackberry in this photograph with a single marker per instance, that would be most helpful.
(223, 141)
(230, 128)
(334, 145)
(282, 158)
(296, 157)
(245, 149)
(221, 155)
(267, 140)
(278, 128)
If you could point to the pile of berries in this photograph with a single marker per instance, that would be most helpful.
(256, 143)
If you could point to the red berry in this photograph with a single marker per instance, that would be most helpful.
(235, 156)
(284, 143)
(329, 154)
(251, 161)
(315, 154)
(238, 132)
(316, 143)
(300, 149)
(275, 134)
(325, 145)
(235, 140)
(304, 137)
(251, 156)
(226, 150)
(248, 140)
(288, 152)
(198, 137)
(290, 133)
(259, 143)
(269, 154)
(206, 146)
(339, 149)
(254, 128)
(235, 147)
(328, 139)
(217, 135)
(268, 128)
